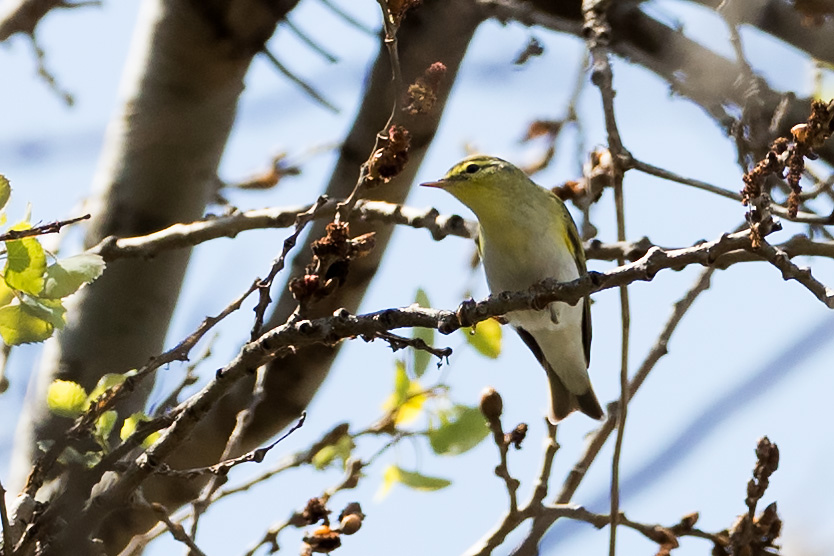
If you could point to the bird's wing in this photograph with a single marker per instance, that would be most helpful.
(575, 245)
(562, 401)
(586, 329)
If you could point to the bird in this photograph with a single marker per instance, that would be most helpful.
(526, 234)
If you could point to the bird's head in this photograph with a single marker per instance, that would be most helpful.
(483, 183)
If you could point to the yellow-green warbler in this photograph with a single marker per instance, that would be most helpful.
(527, 235)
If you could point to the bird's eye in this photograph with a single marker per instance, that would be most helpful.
(472, 168)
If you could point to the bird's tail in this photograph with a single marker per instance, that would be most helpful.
(563, 402)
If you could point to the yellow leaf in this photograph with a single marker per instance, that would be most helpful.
(129, 427)
(6, 293)
(66, 398)
(390, 477)
(486, 338)
(407, 398)
(19, 326)
(106, 382)
(25, 263)
(104, 424)
(417, 481)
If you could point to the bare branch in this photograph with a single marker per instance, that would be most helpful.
(177, 530)
(50, 228)
(181, 236)
(400, 342)
(597, 35)
(84, 423)
(221, 469)
(782, 212)
(24, 16)
(598, 439)
(349, 19)
(492, 406)
(313, 45)
(656, 533)
(390, 26)
(265, 285)
(311, 92)
(791, 271)
(289, 462)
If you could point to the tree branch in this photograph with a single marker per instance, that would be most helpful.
(597, 33)
(181, 236)
(598, 439)
(331, 330)
(222, 468)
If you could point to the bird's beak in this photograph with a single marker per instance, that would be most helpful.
(440, 184)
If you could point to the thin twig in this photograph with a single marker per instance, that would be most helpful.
(502, 470)
(652, 170)
(189, 378)
(656, 533)
(298, 459)
(390, 28)
(400, 342)
(791, 271)
(176, 529)
(551, 447)
(314, 94)
(179, 236)
(597, 440)
(265, 285)
(244, 418)
(349, 18)
(337, 327)
(84, 423)
(50, 228)
(353, 473)
(598, 32)
(222, 468)
(303, 37)
(48, 76)
(780, 211)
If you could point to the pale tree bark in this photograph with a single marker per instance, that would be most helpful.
(180, 90)
(438, 31)
(121, 321)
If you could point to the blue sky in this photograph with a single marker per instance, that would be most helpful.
(693, 427)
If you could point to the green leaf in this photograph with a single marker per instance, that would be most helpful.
(25, 263)
(402, 384)
(50, 310)
(5, 191)
(395, 474)
(71, 456)
(19, 326)
(6, 294)
(461, 429)
(67, 275)
(106, 382)
(342, 450)
(66, 398)
(129, 427)
(486, 338)
(104, 426)
(422, 358)
(408, 397)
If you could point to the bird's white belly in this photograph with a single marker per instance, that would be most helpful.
(560, 340)
(557, 328)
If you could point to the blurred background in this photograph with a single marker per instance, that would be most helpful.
(751, 358)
